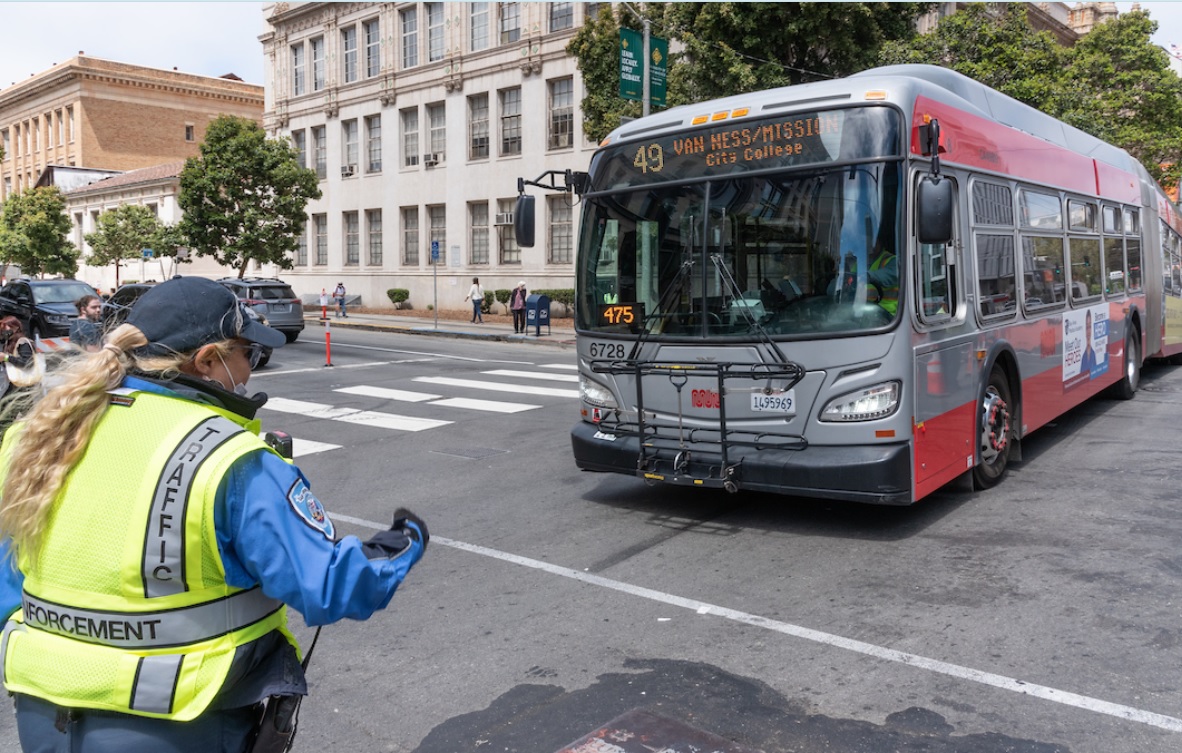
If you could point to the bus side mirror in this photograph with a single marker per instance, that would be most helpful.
(933, 218)
(523, 221)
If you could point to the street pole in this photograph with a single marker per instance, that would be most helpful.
(435, 282)
(646, 75)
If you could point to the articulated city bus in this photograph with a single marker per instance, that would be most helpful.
(859, 289)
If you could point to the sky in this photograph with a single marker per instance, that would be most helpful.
(209, 38)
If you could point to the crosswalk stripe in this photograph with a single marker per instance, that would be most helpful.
(533, 375)
(566, 366)
(491, 406)
(516, 389)
(303, 447)
(388, 394)
(353, 416)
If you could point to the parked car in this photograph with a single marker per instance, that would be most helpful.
(116, 309)
(44, 307)
(272, 299)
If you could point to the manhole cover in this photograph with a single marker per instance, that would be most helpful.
(474, 453)
(644, 732)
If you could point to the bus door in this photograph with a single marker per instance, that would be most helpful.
(944, 387)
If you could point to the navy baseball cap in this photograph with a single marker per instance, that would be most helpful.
(185, 313)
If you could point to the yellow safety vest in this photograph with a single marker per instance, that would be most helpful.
(126, 606)
(890, 295)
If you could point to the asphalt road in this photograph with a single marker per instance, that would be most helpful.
(564, 611)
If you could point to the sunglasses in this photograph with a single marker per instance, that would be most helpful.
(254, 353)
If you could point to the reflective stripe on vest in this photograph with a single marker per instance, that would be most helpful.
(155, 682)
(164, 546)
(158, 629)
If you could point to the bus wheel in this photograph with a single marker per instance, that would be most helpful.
(1127, 386)
(996, 431)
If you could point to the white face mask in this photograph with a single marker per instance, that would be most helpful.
(239, 388)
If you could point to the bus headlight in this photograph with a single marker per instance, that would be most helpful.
(596, 394)
(869, 404)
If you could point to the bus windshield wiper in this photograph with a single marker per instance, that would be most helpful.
(672, 293)
(737, 294)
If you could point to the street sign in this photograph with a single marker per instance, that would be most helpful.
(148, 253)
(434, 252)
(631, 64)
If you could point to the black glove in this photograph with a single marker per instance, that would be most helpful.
(402, 516)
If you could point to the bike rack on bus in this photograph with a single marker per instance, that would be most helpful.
(654, 435)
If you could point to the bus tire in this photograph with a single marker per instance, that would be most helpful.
(996, 430)
(1128, 384)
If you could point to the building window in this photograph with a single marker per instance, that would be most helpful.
(591, 11)
(478, 26)
(352, 238)
(189, 134)
(510, 251)
(410, 37)
(320, 224)
(36, 135)
(348, 147)
(373, 143)
(410, 236)
(478, 220)
(373, 233)
(301, 252)
(70, 117)
(373, 48)
(437, 122)
(562, 113)
(510, 22)
(320, 144)
(317, 64)
(510, 121)
(299, 142)
(4, 144)
(478, 126)
(434, 31)
(561, 245)
(297, 70)
(349, 53)
(438, 218)
(410, 137)
(61, 129)
(562, 16)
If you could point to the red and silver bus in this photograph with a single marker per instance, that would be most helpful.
(859, 289)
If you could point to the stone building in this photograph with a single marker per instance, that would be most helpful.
(95, 113)
(419, 118)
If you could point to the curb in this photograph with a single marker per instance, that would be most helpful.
(564, 341)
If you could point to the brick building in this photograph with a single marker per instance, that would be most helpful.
(90, 112)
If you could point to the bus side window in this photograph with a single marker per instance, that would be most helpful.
(935, 294)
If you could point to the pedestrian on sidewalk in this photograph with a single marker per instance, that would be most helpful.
(339, 294)
(476, 295)
(151, 541)
(517, 306)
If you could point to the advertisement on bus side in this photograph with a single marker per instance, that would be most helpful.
(1085, 345)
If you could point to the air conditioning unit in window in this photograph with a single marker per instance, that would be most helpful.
(430, 160)
(347, 171)
(503, 218)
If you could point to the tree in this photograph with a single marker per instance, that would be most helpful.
(33, 228)
(734, 47)
(1114, 83)
(243, 198)
(122, 234)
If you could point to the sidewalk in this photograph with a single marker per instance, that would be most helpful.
(561, 333)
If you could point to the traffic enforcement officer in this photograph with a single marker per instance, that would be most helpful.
(157, 540)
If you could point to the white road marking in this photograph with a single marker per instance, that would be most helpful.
(567, 366)
(388, 394)
(491, 406)
(367, 364)
(516, 389)
(533, 375)
(352, 415)
(1022, 687)
(302, 447)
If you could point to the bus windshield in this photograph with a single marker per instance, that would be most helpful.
(809, 252)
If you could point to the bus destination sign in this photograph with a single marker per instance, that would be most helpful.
(740, 146)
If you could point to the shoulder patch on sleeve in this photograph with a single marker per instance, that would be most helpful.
(305, 504)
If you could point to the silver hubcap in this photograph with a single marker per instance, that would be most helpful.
(995, 426)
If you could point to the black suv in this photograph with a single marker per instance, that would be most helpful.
(44, 307)
(272, 299)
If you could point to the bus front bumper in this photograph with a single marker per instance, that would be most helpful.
(874, 474)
